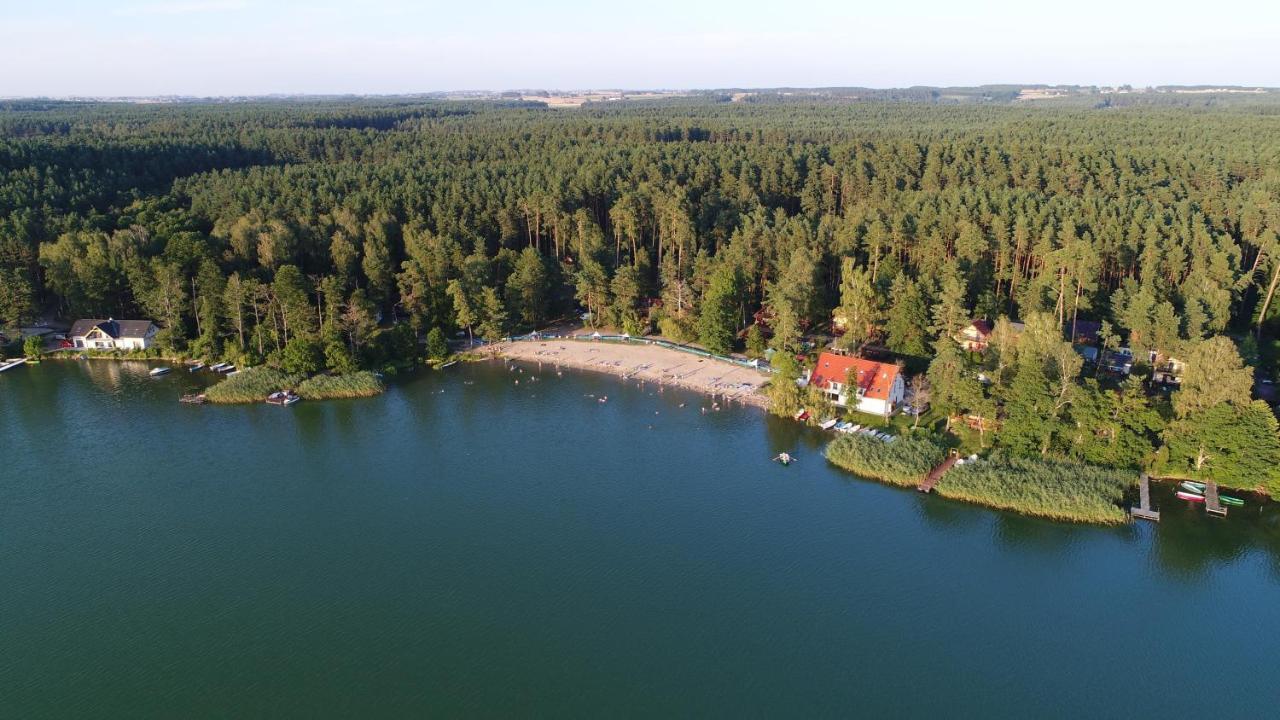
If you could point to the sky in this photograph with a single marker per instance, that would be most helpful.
(60, 48)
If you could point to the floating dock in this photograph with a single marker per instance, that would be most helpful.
(11, 364)
(1212, 504)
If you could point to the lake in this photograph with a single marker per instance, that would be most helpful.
(466, 545)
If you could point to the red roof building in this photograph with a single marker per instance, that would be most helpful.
(874, 387)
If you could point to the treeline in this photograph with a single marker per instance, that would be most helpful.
(241, 227)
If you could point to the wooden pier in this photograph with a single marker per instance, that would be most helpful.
(931, 480)
(1144, 511)
(1212, 504)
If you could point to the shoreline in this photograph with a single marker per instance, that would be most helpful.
(646, 362)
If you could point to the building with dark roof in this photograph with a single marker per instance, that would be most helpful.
(112, 334)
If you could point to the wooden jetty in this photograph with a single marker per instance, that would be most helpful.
(1144, 511)
(1212, 504)
(931, 480)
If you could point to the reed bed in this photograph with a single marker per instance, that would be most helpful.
(1054, 489)
(252, 385)
(905, 461)
(353, 385)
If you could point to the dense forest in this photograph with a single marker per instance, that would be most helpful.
(342, 233)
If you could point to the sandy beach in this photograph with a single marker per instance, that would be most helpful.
(647, 363)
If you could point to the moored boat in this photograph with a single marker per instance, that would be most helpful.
(193, 367)
(1188, 496)
(1192, 486)
(193, 399)
(282, 397)
(1230, 500)
(218, 367)
(828, 424)
(157, 372)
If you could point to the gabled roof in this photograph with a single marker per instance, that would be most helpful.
(113, 328)
(874, 378)
(983, 327)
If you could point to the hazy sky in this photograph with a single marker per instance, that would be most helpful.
(226, 47)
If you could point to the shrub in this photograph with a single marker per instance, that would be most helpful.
(1055, 489)
(905, 461)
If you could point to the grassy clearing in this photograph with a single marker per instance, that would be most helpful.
(1053, 489)
(354, 385)
(904, 461)
(252, 385)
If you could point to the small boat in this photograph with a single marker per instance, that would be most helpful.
(784, 458)
(193, 399)
(157, 372)
(228, 369)
(11, 364)
(1192, 487)
(1230, 500)
(218, 367)
(233, 372)
(451, 363)
(282, 397)
(828, 424)
(195, 366)
(802, 415)
(1190, 497)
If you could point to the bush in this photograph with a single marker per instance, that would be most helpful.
(252, 385)
(437, 348)
(905, 461)
(1055, 489)
(352, 385)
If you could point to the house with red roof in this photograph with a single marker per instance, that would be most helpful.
(864, 385)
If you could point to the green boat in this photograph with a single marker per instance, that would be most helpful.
(1232, 501)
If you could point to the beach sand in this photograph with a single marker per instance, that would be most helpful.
(646, 363)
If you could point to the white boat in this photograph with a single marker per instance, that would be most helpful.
(828, 424)
(195, 366)
(233, 372)
(218, 367)
(228, 369)
(157, 372)
(282, 397)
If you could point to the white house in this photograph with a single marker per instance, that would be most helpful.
(112, 334)
(873, 387)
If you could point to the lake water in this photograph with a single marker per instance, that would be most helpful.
(467, 545)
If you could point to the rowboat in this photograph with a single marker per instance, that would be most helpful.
(157, 372)
(784, 458)
(218, 367)
(828, 424)
(1190, 497)
(1197, 488)
(195, 366)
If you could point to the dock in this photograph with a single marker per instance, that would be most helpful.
(1144, 511)
(931, 480)
(1212, 504)
(11, 364)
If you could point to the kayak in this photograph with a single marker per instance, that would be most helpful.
(1228, 500)
(1192, 486)
(1192, 497)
